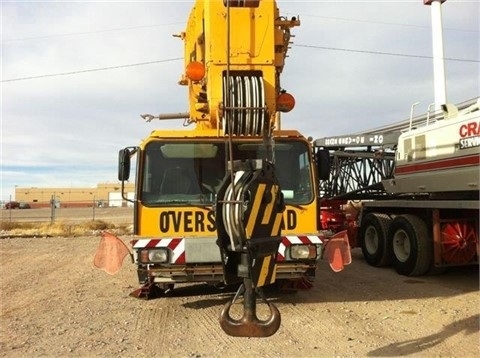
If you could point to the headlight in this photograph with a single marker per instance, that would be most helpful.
(303, 252)
(153, 256)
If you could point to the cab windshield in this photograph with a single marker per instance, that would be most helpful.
(191, 173)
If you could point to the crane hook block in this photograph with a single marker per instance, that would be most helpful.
(249, 325)
(248, 216)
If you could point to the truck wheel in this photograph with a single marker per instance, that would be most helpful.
(410, 244)
(374, 238)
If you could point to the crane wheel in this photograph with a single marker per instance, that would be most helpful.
(373, 238)
(411, 245)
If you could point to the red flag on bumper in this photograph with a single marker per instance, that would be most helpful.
(338, 251)
(110, 253)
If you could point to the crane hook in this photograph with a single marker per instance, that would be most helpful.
(249, 325)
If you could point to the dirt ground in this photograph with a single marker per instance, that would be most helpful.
(54, 303)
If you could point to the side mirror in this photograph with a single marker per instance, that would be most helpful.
(322, 157)
(123, 164)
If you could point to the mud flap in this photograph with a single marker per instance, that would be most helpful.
(337, 251)
(110, 253)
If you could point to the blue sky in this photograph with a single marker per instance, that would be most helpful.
(354, 65)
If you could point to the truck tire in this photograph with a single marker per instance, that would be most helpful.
(373, 238)
(410, 245)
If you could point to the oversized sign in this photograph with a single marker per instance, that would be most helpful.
(190, 221)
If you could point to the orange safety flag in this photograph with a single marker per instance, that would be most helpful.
(110, 253)
(338, 251)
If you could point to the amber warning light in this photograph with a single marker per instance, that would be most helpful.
(195, 71)
(285, 102)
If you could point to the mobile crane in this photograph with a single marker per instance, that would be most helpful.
(415, 188)
(417, 182)
(235, 199)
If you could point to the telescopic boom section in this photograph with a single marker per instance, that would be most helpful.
(234, 55)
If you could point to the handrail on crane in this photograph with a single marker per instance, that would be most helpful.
(418, 119)
(389, 134)
(411, 114)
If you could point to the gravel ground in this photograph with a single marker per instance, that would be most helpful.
(54, 303)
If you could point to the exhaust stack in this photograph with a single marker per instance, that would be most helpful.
(438, 57)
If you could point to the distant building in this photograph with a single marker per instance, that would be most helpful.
(105, 194)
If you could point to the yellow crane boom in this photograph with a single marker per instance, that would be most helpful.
(234, 54)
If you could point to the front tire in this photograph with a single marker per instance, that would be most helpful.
(410, 245)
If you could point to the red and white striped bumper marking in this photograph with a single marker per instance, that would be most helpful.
(296, 240)
(176, 245)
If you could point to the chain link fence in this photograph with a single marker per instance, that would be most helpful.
(55, 211)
